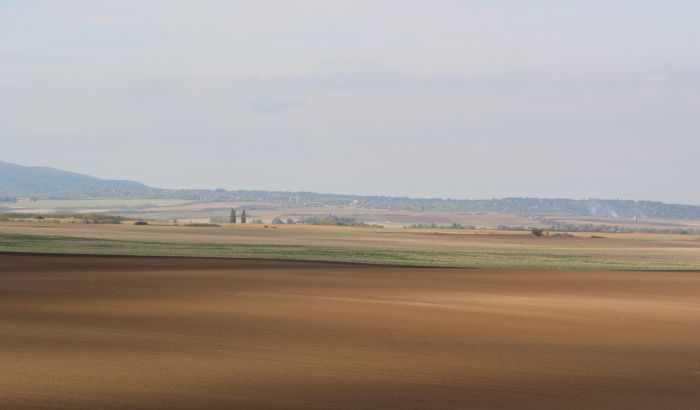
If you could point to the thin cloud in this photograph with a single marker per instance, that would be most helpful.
(267, 106)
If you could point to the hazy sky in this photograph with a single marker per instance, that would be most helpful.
(464, 99)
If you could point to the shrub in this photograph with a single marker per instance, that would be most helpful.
(537, 231)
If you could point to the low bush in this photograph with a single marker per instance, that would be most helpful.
(537, 231)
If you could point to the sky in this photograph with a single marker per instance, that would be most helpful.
(447, 98)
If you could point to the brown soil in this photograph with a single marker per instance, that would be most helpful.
(119, 332)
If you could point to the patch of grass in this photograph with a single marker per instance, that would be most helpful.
(470, 259)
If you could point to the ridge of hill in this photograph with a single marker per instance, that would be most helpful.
(43, 182)
(20, 180)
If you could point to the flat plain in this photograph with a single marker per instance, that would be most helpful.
(132, 332)
(417, 247)
(203, 212)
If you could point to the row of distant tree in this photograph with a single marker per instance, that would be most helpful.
(90, 218)
(560, 226)
(435, 226)
(279, 221)
(329, 220)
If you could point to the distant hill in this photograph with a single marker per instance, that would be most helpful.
(18, 181)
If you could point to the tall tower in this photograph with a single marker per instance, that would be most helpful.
(232, 217)
(243, 216)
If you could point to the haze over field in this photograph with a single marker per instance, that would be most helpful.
(463, 99)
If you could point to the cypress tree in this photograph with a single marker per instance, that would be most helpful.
(232, 218)
(243, 216)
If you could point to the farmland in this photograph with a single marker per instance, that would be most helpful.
(178, 312)
(413, 247)
(130, 332)
(194, 211)
(178, 315)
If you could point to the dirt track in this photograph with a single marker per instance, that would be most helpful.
(110, 332)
